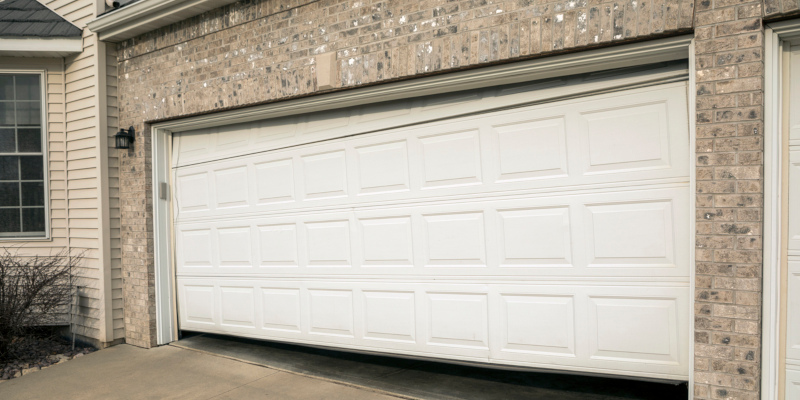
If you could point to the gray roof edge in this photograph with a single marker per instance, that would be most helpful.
(51, 23)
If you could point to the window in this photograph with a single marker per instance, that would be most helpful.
(22, 188)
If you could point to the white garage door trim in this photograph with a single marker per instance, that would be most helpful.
(669, 49)
(776, 36)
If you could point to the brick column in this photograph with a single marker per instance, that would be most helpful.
(729, 44)
(136, 220)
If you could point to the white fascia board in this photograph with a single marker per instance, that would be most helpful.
(40, 47)
(147, 15)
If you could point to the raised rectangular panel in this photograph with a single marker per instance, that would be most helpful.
(193, 192)
(232, 138)
(382, 111)
(328, 243)
(793, 312)
(234, 247)
(198, 304)
(327, 120)
(536, 236)
(458, 320)
(231, 187)
(634, 329)
(389, 316)
(387, 241)
(281, 309)
(631, 233)
(275, 181)
(325, 175)
(331, 312)
(794, 201)
(538, 324)
(237, 305)
(444, 100)
(195, 248)
(455, 239)
(383, 167)
(191, 146)
(532, 149)
(627, 138)
(451, 159)
(278, 245)
(792, 384)
(274, 129)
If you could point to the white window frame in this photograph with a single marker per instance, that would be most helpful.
(650, 52)
(45, 159)
(775, 35)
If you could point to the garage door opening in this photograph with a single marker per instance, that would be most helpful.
(544, 225)
(429, 379)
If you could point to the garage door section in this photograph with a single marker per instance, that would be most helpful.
(551, 235)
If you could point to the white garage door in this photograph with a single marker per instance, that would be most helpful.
(552, 235)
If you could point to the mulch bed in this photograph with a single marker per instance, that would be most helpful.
(34, 352)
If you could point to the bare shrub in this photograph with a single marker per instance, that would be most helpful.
(34, 291)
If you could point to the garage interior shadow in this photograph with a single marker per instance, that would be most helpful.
(428, 379)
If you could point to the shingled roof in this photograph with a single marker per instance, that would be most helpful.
(30, 19)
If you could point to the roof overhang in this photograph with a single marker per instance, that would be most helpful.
(40, 47)
(146, 15)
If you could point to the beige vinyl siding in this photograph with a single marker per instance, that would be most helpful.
(115, 235)
(55, 151)
(82, 189)
(84, 173)
(79, 12)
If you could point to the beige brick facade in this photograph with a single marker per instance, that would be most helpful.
(259, 51)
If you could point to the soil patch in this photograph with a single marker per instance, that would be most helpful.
(34, 352)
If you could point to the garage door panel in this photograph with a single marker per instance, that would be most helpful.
(553, 235)
(612, 233)
(627, 137)
(554, 148)
(566, 324)
(531, 149)
(290, 130)
(382, 167)
(654, 324)
(274, 181)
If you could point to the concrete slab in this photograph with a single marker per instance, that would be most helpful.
(430, 380)
(287, 386)
(167, 372)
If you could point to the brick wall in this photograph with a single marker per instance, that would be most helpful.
(257, 51)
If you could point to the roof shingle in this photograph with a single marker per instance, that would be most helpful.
(29, 18)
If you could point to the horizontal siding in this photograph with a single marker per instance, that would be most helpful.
(73, 151)
(79, 12)
(55, 148)
(112, 116)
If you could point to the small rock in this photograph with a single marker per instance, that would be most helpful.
(17, 374)
(27, 371)
(78, 355)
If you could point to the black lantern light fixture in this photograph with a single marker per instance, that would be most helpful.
(124, 138)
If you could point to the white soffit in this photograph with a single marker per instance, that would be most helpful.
(40, 47)
(147, 15)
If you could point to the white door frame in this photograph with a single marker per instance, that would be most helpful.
(775, 35)
(669, 49)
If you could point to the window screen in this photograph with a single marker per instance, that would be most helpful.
(22, 195)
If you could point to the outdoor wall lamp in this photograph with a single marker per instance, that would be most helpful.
(124, 138)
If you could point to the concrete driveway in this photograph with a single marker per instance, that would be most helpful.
(222, 367)
(168, 372)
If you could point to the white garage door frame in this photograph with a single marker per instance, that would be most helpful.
(669, 49)
(778, 37)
